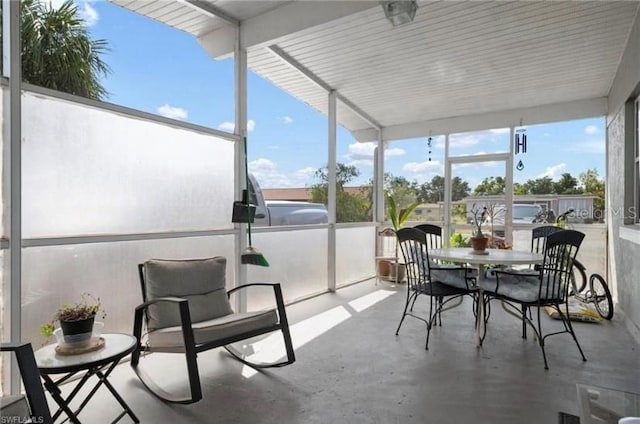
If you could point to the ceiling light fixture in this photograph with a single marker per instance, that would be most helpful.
(400, 12)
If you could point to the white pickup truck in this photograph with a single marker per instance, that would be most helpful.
(282, 212)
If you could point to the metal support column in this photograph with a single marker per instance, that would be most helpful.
(240, 71)
(13, 175)
(446, 230)
(331, 192)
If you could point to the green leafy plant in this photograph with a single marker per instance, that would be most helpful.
(87, 307)
(458, 240)
(398, 217)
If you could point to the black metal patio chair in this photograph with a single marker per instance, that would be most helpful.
(548, 286)
(37, 402)
(186, 310)
(425, 277)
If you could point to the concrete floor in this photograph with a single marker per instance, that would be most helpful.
(358, 371)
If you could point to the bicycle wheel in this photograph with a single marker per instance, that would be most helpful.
(601, 296)
(578, 278)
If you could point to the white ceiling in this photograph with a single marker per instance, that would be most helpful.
(456, 59)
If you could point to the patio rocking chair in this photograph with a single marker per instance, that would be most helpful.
(187, 310)
(425, 277)
(547, 285)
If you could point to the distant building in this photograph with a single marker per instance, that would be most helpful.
(430, 212)
(582, 204)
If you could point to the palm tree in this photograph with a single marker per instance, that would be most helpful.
(58, 52)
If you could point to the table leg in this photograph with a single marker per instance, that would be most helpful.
(480, 319)
(63, 404)
(55, 391)
(102, 379)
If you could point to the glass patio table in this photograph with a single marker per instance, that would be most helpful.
(463, 255)
(99, 363)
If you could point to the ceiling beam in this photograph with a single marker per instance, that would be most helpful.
(285, 57)
(212, 11)
(543, 114)
(266, 28)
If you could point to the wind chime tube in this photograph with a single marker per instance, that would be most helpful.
(251, 255)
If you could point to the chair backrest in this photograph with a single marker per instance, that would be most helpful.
(560, 251)
(539, 237)
(433, 235)
(32, 385)
(201, 281)
(415, 254)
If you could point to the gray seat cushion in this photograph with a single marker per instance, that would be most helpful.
(200, 281)
(452, 275)
(522, 286)
(171, 339)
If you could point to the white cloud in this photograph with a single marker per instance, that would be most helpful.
(88, 14)
(262, 165)
(306, 173)
(227, 126)
(230, 126)
(466, 140)
(423, 171)
(362, 153)
(269, 176)
(287, 119)
(500, 130)
(172, 112)
(554, 171)
(591, 130)
(418, 167)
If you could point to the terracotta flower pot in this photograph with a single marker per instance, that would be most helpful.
(479, 244)
(384, 268)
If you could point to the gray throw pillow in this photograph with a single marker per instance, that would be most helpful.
(201, 281)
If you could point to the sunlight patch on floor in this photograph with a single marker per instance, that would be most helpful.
(364, 302)
(270, 349)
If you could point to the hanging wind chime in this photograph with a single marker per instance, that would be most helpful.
(429, 141)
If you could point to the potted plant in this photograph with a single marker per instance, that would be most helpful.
(76, 321)
(478, 240)
(398, 219)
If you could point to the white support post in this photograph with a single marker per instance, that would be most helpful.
(508, 189)
(446, 230)
(240, 71)
(379, 180)
(331, 192)
(13, 175)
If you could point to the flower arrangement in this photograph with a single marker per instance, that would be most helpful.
(87, 308)
(479, 215)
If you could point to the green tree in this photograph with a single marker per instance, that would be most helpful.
(567, 184)
(490, 185)
(542, 185)
(350, 207)
(592, 184)
(433, 191)
(519, 189)
(400, 189)
(58, 51)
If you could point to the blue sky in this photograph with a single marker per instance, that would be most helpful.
(164, 71)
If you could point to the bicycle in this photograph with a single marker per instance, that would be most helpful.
(598, 292)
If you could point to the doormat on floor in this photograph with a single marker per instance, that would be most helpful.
(564, 418)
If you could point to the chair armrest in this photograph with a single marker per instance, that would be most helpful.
(146, 304)
(277, 292)
(185, 317)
